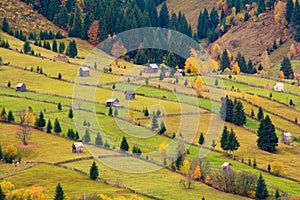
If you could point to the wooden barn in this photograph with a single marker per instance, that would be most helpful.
(84, 71)
(21, 87)
(152, 68)
(129, 95)
(227, 166)
(279, 87)
(113, 103)
(77, 147)
(61, 57)
(287, 138)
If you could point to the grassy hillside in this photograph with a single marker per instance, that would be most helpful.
(253, 38)
(22, 16)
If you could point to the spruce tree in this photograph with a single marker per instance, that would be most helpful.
(110, 111)
(225, 62)
(261, 191)
(1, 153)
(164, 16)
(277, 195)
(98, 140)
(297, 35)
(116, 113)
(261, 6)
(2, 196)
(201, 139)
(59, 193)
(154, 123)
(72, 49)
(267, 139)
(124, 145)
(70, 115)
(49, 126)
(41, 121)
(260, 114)
(239, 116)
(54, 46)
(232, 142)
(26, 47)
(57, 128)
(287, 69)
(162, 128)
(146, 112)
(94, 171)
(5, 26)
(10, 117)
(61, 47)
(59, 106)
(71, 133)
(224, 139)
(87, 137)
(289, 10)
(296, 14)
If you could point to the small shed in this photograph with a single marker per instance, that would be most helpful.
(279, 87)
(153, 68)
(227, 166)
(77, 147)
(21, 87)
(84, 71)
(180, 71)
(113, 103)
(129, 95)
(287, 138)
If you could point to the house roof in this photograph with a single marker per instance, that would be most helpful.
(226, 164)
(20, 84)
(129, 92)
(85, 69)
(78, 144)
(287, 134)
(112, 100)
(279, 84)
(154, 66)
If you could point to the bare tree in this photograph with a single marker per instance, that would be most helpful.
(24, 132)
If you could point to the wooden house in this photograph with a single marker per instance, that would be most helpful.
(77, 147)
(227, 166)
(61, 57)
(113, 103)
(279, 87)
(21, 87)
(129, 95)
(287, 138)
(84, 71)
(152, 68)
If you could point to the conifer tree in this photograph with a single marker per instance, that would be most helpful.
(54, 46)
(260, 114)
(57, 128)
(201, 139)
(162, 128)
(1, 154)
(267, 138)
(59, 193)
(224, 139)
(239, 116)
(94, 171)
(287, 69)
(41, 121)
(59, 106)
(61, 47)
(2, 196)
(72, 49)
(261, 6)
(296, 14)
(26, 47)
(87, 137)
(124, 145)
(154, 124)
(232, 142)
(146, 112)
(70, 115)
(10, 117)
(98, 140)
(297, 35)
(289, 10)
(261, 191)
(49, 126)
(164, 16)
(225, 62)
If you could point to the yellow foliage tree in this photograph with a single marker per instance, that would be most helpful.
(279, 13)
(131, 115)
(7, 187)
(163, 149)
(216, 50)
(193, 64)
(293, 50)
(243, 94)
(197, 173)
(199, 86)
(262, 72)
(266, 62)
(11, 150)
(255, 99)
(227, 70)
(281, 75)
(235, 68)
(208, 180)
(192, 83)
(277, 168)
(185, 167)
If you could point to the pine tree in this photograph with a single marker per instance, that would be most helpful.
(10, 117)
(162, 128)
(154, 123)
(164, 16)
(53, 9)
(59, 106)
(61, 47)
(260, 114)
(49, 126)
(5, 26)
(76, 31)
(41, 121)
(98, 140)
(227, 109)
(57, 128)
(296, 14)
(225, 62)
(261, 191)
(289, 10)
(26, 47)
(116, 113)
(54, 46)
(201, 139)
(267, 139)
(59, 76)
(297, 35)
(94, 171)
(287, 69)
(224, 139)
(250, 67)
(87, 137)
(71, 133)
(232, 142)
(72, 49)
(76, 135)
(146, 112)
(110, 111)
(252, 113)
(62, 17)
(59, 193)
(254, 163)
(277, 195)
(237, 5)
(70, 115)
(124, 145)
(261, 6)
(239, 116)
(1, 157)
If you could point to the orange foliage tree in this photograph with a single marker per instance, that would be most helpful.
(93, 33)
(279, 13)
(281, 75)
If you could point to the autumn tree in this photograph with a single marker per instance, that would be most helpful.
(93, 33)
(185, 167)
(277, 168)
(26, 118)
(197, 173)
(236, 68)
(255, 99)
(245, 182)
(163, 149)
(10, 152)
